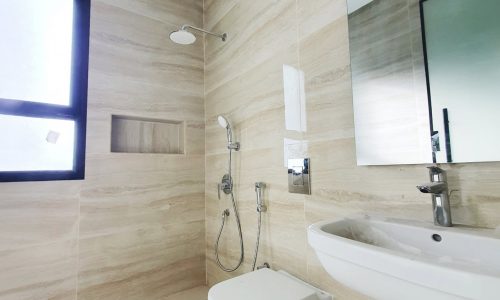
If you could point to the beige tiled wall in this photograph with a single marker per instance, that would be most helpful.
(134, 228)
(243, 80)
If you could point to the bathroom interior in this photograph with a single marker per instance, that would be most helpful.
(249, 149)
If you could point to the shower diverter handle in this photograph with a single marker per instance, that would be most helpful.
(225, 185)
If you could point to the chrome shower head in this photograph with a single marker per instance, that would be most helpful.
(184, 37)
(223, 122)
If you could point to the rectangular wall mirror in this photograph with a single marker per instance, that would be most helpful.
(424, 78)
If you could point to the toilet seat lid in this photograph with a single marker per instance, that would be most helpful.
(264, 284)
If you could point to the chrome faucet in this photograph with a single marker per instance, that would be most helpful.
(438, 187)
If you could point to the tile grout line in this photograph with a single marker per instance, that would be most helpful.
(205, 147)
(297, 26)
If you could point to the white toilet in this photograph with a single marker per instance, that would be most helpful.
(266, 284)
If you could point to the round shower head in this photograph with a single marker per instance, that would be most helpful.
(223, 121)
(182, 37)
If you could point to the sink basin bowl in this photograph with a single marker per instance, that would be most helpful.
(397, 259)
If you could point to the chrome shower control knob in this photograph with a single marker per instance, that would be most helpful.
(226, 185)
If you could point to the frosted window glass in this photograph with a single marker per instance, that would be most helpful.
(35, 52)
(35, 144)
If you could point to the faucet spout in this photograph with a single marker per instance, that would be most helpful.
(438, 188)
(433, 187)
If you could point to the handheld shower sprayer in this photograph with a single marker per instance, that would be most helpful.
(261, 207)
(224, 123)
(259, 186)
(227, 187)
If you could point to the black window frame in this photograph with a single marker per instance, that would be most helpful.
(76, 111)
(427, 79)
(449, 158)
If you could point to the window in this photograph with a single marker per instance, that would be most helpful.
(43, 89)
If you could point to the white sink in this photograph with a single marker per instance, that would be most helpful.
(396, 259)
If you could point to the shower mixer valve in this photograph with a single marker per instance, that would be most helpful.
(226, 185)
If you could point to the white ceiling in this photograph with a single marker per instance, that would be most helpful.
(354, 5)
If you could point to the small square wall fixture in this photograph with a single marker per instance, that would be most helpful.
(143, 135)
(299, 176)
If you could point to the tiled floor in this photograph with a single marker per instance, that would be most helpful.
(197, 293)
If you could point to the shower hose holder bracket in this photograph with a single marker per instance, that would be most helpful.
(233, 146)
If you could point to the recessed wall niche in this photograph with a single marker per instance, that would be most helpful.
(144, 135)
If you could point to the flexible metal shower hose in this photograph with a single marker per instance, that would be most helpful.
(225, 214)
(257, 241)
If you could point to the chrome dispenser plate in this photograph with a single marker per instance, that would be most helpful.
(299, 177)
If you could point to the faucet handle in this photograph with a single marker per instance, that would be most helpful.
(436, 174)
(260, 185)
(435, 170)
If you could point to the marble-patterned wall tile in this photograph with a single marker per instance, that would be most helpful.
(314, 15)
(130, 191)
(38, 240)
(172, 12)
(244, 81)
(252, 38)
(214, 10)
(142, 215)
(46, 211)
(147, 263)
(42, 271)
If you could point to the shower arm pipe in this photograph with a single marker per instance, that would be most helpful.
(222, 36)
